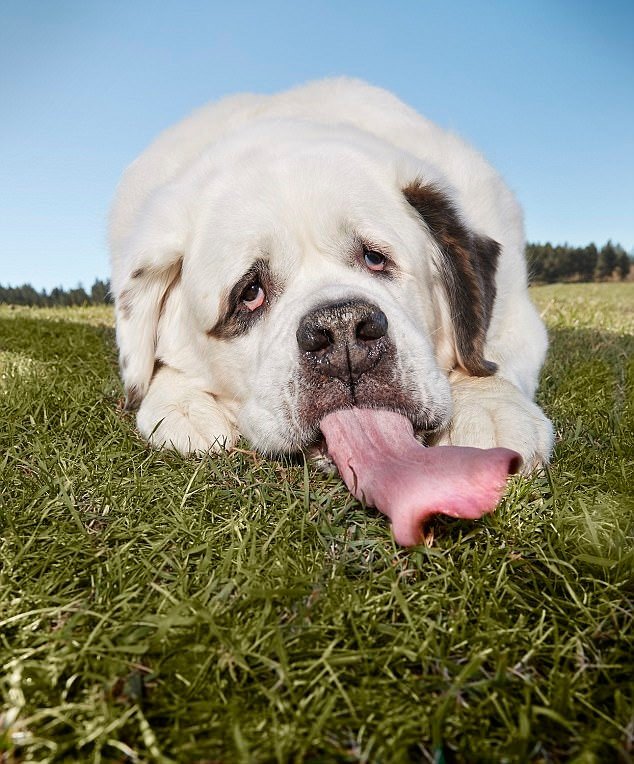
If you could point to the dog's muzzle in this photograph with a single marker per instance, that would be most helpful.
(347, 359)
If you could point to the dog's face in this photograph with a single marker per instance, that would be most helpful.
(317, 273)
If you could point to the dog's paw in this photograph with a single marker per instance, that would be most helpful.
(176, 415)
(490, 412)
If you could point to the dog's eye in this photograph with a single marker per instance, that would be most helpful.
(374, 260)
(253, 296)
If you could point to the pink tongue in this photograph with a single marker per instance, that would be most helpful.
(384, 465)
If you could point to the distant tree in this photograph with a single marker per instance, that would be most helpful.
(566, 259)
(587, 262)
(548, 263)
(77, 296)
(606, 262)
(57, 296)
(100, 292)
(623, 262)
(540, 262)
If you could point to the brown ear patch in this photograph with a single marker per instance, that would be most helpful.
(468, 264)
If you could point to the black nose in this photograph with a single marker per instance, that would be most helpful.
(344, 339)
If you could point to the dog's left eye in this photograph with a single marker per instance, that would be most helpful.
(253, 296)
(374, 260)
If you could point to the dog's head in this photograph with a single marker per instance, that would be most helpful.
(299, 269)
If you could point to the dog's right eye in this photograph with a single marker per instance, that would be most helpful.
(253, 296)
(374, 260)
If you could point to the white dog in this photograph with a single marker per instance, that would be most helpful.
(275, 258)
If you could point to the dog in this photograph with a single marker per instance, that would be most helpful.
(279, 257)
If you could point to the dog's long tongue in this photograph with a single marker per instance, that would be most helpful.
(384, 465)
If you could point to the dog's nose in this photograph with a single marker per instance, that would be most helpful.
(344, 339)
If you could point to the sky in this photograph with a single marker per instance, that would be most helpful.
(544, 88)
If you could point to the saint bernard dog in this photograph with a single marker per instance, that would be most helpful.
(276, 258)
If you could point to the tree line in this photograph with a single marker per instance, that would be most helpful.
(546, 264)
(98, 294)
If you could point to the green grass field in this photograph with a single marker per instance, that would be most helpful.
(235, 609)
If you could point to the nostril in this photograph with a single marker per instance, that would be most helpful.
(373, 326)
(311, 338)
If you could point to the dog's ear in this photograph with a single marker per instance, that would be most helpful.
(466, 263)
(150, 265)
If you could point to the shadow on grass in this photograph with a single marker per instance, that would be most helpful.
(583, 342)
(587, 384)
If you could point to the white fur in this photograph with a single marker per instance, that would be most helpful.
(294, 177)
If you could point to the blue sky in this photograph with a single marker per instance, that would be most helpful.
(545, 88)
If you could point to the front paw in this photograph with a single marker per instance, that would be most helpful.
(189, 421)
(490, 412)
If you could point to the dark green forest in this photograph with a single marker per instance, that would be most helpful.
(98, 294)
(547, 264)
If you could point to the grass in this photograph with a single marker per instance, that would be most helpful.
(233, 609)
